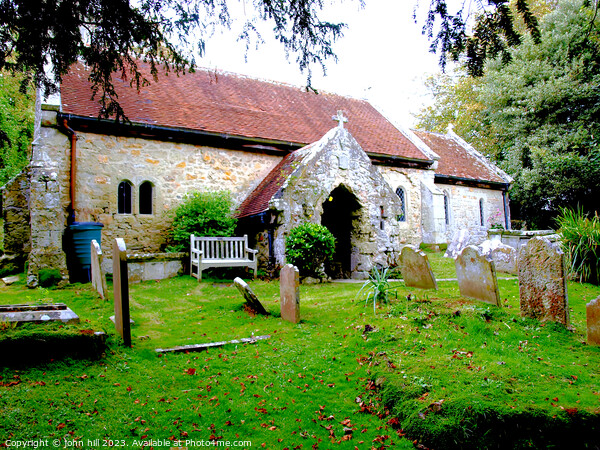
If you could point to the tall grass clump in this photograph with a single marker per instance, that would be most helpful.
(581, 244)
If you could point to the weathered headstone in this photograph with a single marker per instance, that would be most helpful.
(415, 268)
(463, 238)
(592, 310)
(98, 277)
(121, 290)
(542, 285)
(477, 276)
(251, 299)
(289, 290)
(504, 256)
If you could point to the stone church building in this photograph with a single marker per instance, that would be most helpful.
(288, 155)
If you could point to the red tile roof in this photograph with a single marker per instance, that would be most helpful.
(236, 105)
(258, 200)
(456, 161)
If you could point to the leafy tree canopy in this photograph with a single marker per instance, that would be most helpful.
(16, 126)
(112, 36)
(537, 116)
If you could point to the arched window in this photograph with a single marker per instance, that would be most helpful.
(146, 198)
(446, 208)
(402, 198)
(481, 217)
(124, 197)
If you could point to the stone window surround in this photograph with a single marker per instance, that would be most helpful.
(481, 213)
(125, 197)
(447, 208)
(401, 192)
(145, 190)
(135, 198)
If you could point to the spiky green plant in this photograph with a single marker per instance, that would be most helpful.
(581, 244)
(377, 287)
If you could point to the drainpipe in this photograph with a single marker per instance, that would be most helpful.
(73, 172)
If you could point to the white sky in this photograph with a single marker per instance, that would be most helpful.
(383, 57)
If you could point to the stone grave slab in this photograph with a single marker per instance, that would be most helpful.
(289, 290)
(542, 285)
(121, 290)
(416, 269)
(477, 276)
(592, 310)
(251, 299)
(98, 276)
(38, 313)
(10, 280)
(201, 347)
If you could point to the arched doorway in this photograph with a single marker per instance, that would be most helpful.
(339, 211)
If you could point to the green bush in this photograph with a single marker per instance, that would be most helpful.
(49, 277)
(202, 214)
(581, 244)
(309, 247)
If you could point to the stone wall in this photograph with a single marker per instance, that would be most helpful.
(49, 198)
(464, 208)
(410, 180)
(15, 213)
(174, 169)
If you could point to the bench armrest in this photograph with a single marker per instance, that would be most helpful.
(251, 250)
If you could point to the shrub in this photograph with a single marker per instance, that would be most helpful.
(309, 247)
(49, 277)
(202, 214)
(581, 244)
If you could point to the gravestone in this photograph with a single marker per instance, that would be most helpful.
(415, 268)
(542, 285)
(45, 312)
(463, 238)
(98, 277)
(477, 276)
(504, 256)
(592, 310)
(121, 290)
(251, 299)
(10, 280)
(289, 290)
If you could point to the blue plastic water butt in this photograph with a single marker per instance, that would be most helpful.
(82, 234)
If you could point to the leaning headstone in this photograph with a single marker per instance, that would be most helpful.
(251, 299)
(477, 276)
(289, 290)
(542, 284)
(98, 277)
(121, 290)
(415, 268)
(592, 310)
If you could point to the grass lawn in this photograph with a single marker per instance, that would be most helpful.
(438, 369)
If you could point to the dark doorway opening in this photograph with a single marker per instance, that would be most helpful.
(339, 211)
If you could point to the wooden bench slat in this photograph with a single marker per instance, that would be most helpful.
(208, 252)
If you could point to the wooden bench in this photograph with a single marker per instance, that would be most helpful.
(208, 252)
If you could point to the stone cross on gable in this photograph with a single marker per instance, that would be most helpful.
(340, 118)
